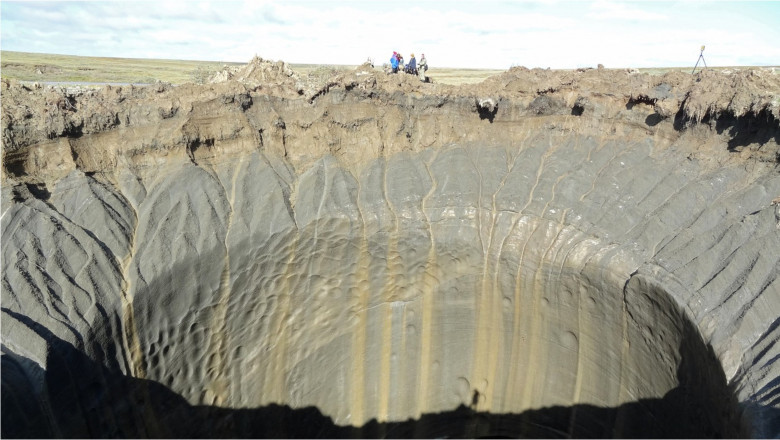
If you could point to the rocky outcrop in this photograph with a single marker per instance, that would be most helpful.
(588, 253)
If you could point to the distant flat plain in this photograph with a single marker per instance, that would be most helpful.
(71, 69)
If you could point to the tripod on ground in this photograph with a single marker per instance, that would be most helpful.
(701, 58)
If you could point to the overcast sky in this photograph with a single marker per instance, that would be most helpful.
(482, 34)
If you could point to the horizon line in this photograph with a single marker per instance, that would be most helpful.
(375, 64)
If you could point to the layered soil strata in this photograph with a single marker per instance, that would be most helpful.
(584, 253)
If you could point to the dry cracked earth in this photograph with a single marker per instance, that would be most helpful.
(589, 253)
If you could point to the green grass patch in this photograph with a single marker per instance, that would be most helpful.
(25, 66)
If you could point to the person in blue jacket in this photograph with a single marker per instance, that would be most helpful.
(394, 62)
(412, 66)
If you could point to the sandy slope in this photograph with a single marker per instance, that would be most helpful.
(603, 243)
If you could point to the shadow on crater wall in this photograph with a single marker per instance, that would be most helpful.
(85, 399)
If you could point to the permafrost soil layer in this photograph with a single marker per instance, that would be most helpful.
(590, 253)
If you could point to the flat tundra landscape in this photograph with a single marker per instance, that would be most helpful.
(25, 66)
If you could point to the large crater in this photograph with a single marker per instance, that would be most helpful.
(529, 257)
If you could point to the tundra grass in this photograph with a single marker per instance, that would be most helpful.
(25, 66)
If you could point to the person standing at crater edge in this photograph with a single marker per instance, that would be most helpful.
(422, 66)
(412, 66)
(394, 62)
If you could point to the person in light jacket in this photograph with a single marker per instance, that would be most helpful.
(422, 66)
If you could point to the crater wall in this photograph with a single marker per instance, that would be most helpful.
(378, 258)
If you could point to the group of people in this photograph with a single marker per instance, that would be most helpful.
(414, 68)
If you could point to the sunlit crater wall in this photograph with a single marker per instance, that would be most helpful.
(467, 275)
(559, 263)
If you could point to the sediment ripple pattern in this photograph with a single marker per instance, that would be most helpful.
(553, 271)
